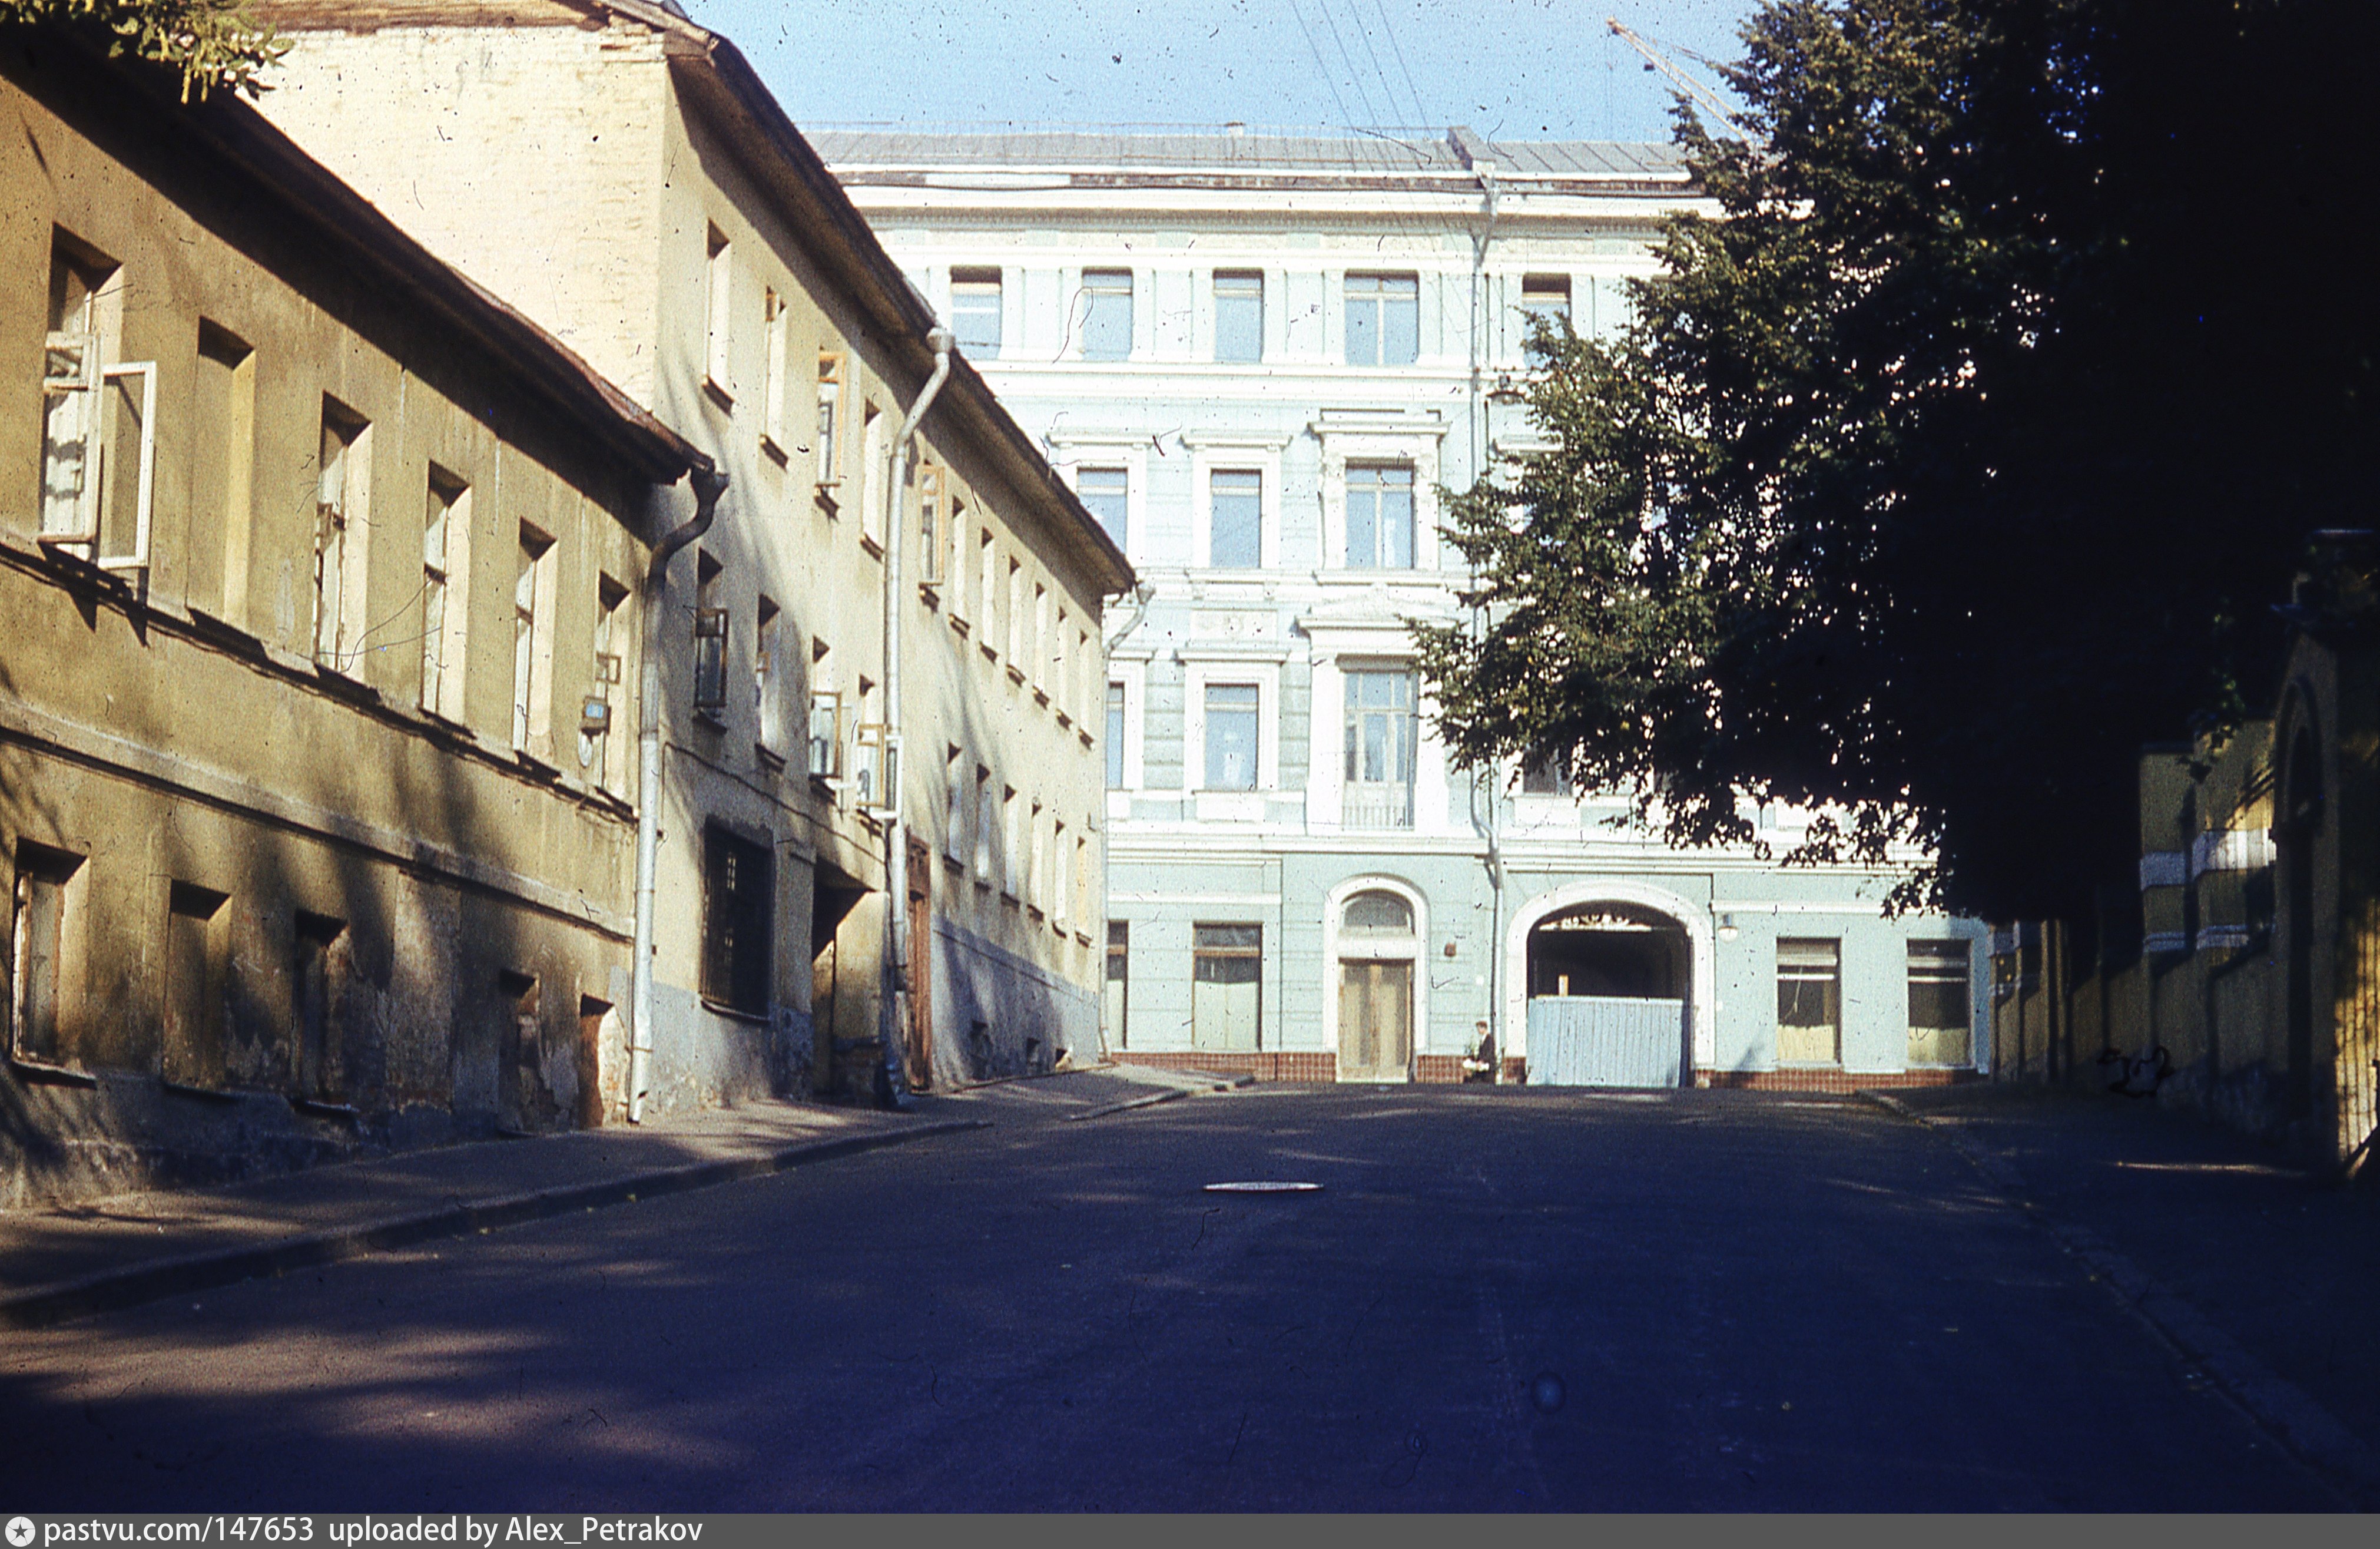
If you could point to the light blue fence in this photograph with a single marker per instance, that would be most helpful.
(1603, 1041)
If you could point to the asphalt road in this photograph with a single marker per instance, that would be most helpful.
(1498, 1300)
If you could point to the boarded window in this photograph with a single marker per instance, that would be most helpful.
(1809, 1002)
(1226, 986)
(1941, 1007)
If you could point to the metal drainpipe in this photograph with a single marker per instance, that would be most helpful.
(709, 486)
(896, 861)
(1487, 779)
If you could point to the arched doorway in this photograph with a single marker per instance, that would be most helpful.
(1376, 930)
(1610, 983)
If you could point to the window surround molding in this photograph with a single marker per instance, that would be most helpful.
(1079, 309)
(1376, 641)
(1198, 673)
(1224, 451)
(1413, 950)
(1133, 673)
(1406, 440)
(1072, 451)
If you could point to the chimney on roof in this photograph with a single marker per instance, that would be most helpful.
(1475, 152)
(1236, 129)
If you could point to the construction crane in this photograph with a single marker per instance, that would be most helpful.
(1656, 60)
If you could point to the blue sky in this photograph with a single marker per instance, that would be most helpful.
(1522, 68)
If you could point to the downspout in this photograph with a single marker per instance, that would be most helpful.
(894, 976)
(709, 486)
(1486, 171)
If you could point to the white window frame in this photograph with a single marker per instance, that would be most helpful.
(1212, 453)
(1416, 445)
(974, 282)
(1126, 450)
(1196, 677)
(1080, 313)
(718, 302)
(1133, 673)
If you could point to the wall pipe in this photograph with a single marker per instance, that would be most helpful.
(894, 976)
(709, 486)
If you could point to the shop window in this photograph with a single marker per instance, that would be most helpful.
(1809, 1002)
(1941, 1007)
(1226, 986)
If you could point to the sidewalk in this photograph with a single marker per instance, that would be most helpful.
(2263, 1275)
(71, 1259)
(67, 1261)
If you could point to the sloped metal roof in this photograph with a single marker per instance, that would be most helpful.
(856, 152)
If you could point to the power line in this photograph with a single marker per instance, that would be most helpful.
(1424, 119)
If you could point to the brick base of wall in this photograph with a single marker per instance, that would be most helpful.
(1827, 1080)
(1446, 1069)
(1265, 1064)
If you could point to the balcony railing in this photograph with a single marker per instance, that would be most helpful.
(1362, 806)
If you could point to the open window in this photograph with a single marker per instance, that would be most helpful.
(99, 417)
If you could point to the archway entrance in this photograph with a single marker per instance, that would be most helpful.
(1607, 988)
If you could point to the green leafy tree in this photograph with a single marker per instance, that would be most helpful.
(212, 43)
(1964, 447)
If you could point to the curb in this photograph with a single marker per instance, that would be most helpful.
(2282, 1409)
(1126, 1106)
(110, 1290)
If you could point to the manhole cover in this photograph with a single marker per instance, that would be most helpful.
(1263, 1186)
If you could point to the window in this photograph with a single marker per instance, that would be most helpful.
(1040, 639)
(191, 1054)
(932, 497)
(532, 639)
(768, 710)
(1061, 684)
(1106, 494)
(1809, 1002)
(955, 806)
(872, 471)
(445, 524)
(1107, 314)
(1546, 298)
(829, 421)
(599, 748)
(739, 909)
(1941, 1012)
(1384, 320)
(1226, 986)
(987, 592)
(1236, 519)
(1037, 863)
(224, 470)
(1239, 318)
(1543, 774)
(956, 521)
(873, 777)
(1231, 711)
(709, 640)
(1016, 617)
(984, 816)
(37, 970)
(1115, 1004)
(1379, 518)
(341, 521)
(97, 416)
(1084, 902)
(719, 293)
(1062, 875)
(974, 311)
(1115, 736)
(774, 326)
(826, 716)
(1012, 853)
(1376, 914)
(1382, 735)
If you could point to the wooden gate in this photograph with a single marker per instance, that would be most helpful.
(1604, 1041)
